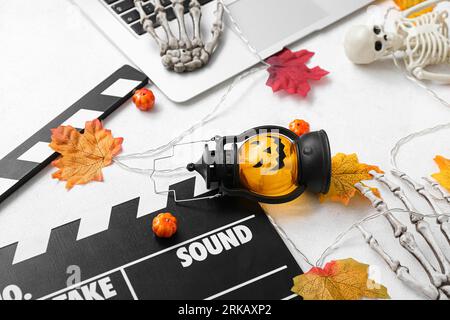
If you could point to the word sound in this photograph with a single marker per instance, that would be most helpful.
(214, 245)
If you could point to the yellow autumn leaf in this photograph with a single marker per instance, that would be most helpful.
(407, 4)
(83, 155)
(346, 171)
(339, 280)
(443, 177)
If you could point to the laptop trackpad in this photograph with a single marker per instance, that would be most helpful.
(267, 22)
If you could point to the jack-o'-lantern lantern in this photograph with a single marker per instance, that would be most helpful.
(267, 164)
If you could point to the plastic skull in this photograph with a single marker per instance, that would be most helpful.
(365, 44)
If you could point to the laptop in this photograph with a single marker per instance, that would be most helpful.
(269, 25)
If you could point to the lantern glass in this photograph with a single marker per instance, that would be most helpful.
(268, 165)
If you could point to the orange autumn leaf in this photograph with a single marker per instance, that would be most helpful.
(443, 177)
(347, 171)
(83, 155)
(339, 280)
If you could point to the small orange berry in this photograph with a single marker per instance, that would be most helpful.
(144, 99)
(164, 225)
(299, 127)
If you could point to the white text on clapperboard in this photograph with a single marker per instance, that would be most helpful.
(214, 245)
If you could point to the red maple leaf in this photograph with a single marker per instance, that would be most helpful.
(288, 71)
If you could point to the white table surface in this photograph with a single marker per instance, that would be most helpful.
(50, 56)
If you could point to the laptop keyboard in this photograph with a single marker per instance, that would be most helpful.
(126, 10)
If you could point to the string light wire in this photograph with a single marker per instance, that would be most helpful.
(396, 150)
(263, 65)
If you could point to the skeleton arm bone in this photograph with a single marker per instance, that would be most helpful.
(423, 74)
(420, 7)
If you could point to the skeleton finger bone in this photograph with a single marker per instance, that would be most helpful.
(420, 189)
(402, 272)
(437, 187)
(398, 192)
(196, 15)
(147, 25)
(398, 227)
(406, 239)
(422, 226)
(161, 17)
(178, 7)
(216, 30)
(443, 220)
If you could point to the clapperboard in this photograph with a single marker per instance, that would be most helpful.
(24, 162)
(224, 249)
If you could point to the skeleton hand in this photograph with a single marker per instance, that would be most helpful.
(439, 286)
(183, 54)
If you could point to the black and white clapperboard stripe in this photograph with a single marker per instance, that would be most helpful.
(21, 164)
(224, 249)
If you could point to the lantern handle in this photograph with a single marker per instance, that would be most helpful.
(173, 192)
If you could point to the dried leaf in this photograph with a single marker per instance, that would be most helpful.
(83, 155)
(289, 72)
(345, 173)
(443, 177)
(339, 280)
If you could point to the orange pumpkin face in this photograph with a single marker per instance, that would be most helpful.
(268, 165)
(164, 225)
(144, 99)
(299, 127)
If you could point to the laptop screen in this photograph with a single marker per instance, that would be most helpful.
(268, 22)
